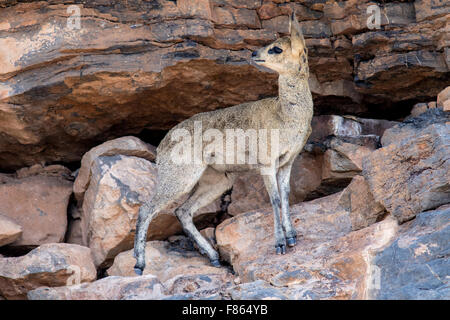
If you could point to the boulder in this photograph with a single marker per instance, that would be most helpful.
(411, 173)
(382, 261)
(341, 143)
(199, 286)
(256, 290)
(432, 105)
(37, 199)
(408, 262)
(9, 231)
(330, 261)
(411, 125)
(55, 170)
(248, 193)
(358, 200)
(346, 126)
(343, 158)
(422, 107)
(446, 106)
(52, 265)
(147, 287)
(415, 265)
(210, 235)
(117, 188)
(306, 176)
(166, 260)
(333, 125)
(127, 146)
(443, 96)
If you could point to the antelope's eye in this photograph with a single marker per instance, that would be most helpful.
(275, 50)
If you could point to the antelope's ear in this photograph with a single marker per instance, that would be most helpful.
(297, 40)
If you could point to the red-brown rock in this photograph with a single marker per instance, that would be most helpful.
(110, 288)
(64, 91)
(328, 262)
(147, 287)
(127, 146)
(411, 173)
(200, 286)
(166, 260)
(117, 188)
(363, 208)
(9, 231)
(443, 96)
(37, 199)
(50, 265)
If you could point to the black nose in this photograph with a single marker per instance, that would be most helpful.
(254, 53)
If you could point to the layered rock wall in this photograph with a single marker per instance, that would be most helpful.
(64, 89)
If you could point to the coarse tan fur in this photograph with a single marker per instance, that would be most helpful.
(204, 182)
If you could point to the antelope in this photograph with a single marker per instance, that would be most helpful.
(205, 181)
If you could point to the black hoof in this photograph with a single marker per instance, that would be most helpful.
(215, 263)
(291, 241)
(138, 271)
(281, 249)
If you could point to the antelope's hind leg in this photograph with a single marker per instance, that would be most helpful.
(169, 189)
(146, 212)
(210, 187)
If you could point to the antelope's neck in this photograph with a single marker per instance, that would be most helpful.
(295, 98)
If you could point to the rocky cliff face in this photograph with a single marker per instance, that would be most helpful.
(84, 102)
(65, 89)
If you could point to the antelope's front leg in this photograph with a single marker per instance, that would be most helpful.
(283, 176)
(270, 181)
